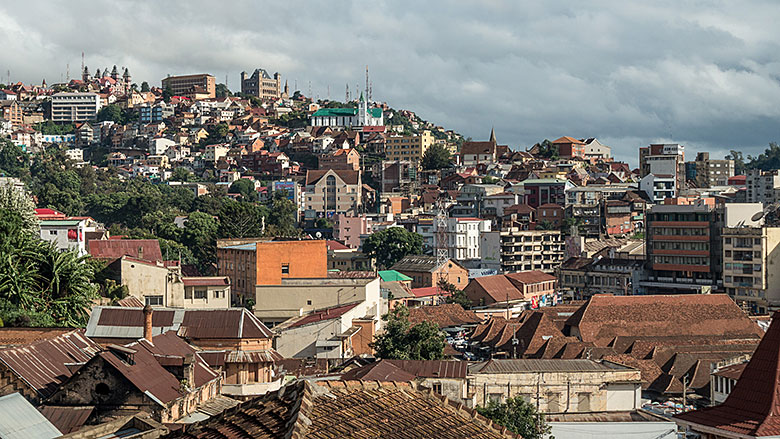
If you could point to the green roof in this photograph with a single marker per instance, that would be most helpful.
(375, 112)
(393, 276)
(346, 112)
(60, 222)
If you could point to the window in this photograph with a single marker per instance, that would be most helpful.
(583, 402)
(308, 302)
(553, 403)
(285, 268)
(200, 293)
(187, 293)
(436, 388)
(52, 232)
(495, 397)
(153, 300)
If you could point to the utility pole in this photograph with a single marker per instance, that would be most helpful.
(685, 389)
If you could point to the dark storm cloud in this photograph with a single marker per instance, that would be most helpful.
(704, 74)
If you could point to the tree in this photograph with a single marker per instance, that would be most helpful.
(391, 245)
(282, 216)
(544, 225)
(111, 112)
(200, 235)
(245, 188)
(436, 157)
(456, 296)
(222, 91)
(181, 174)
(739, 161)
(13, 159)
(239, 219)
(766, 161)
(548, 150)
(18, 213)
(518, 416)
(167, 94)
(144, 87)
(403, 341)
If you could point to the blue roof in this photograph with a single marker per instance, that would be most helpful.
(251, 246)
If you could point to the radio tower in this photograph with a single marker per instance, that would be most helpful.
(346, 97)
(368, 88)
(441, 251)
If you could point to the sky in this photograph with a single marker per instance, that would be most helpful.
(700, 73)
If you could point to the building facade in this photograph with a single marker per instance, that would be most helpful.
(332, 191)
(410, 147)
(190, 85)
(74, 107)
(262, 84)
(751, 267)
(526, 250)
(762, 186)
(706, 172)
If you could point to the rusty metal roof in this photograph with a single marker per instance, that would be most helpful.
(542, 365)
(433, 368)
(145, 249)
(66, 419)
(10, 337)
(44, 365)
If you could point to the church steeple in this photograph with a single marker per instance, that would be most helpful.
(492, 135)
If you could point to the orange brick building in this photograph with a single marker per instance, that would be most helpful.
(252, 262)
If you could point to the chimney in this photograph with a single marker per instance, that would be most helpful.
(140, 252)
(188, 370)
(148, 323)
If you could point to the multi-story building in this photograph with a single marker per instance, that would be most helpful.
(684, 247)
(584, 277)
(363, 116)
(74, 107)
(595, 150)
(148, 113)
(618, 217)
(526, 250)
(463, 237)
(11, 111)
(546, 190)
(569, 147)
(666, 162)
(342, 158)
(350, 229)
(332, 191)
(751, 267)
(261, 84)
(471, 199)
(190, 85)
(411, 147)
(398, 176)
(762, 186)
(706, 172)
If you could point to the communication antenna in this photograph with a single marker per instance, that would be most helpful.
(441, 251)
(82, 62)
(310, 89)
(328, 91)
(67, 71)
(367, 86)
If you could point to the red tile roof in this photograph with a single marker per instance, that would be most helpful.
(445, 315)
(428, 292)
(567, 139)
(753, 406)
(335, 245)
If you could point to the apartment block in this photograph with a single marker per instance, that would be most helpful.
(751, 267)
(762, 186)
(332, 191)
(74, 107)
(463, 237)
(684, 247)
(706, 172)
(526, 250)
(410, 147)
(662, 168)
(190, 85)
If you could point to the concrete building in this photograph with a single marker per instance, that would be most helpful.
(569, 147)
(350, 229)
(74, 107)
(65, 232)
(751, 267)
(595, 150)
(558, 385)
(513, 288)
(261, 84)
(706, 172)
(684, 247)
(191, 85)
(426, 273)
(331, 191)
(342, 158)
(409, 147)
(762, 186)
(666, 162)
(398, 176)
(546, 190)
(526, 250)
(363, 116)
(584, 277)
(254, 262)
(462, 237)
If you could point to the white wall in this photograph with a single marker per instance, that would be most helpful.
(614, 430)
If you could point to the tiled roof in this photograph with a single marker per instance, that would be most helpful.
(43, 365)
(347, 175)
(567, 139)
(443, 316)
(407, 370)
(498, 287)
(341, 409)
(146, 249)
(207, 281)
(381, 370)
(753, 406)
(478, 148)
(428, 292)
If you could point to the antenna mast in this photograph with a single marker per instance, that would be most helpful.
(441, 251)
(368, 88)
(346, 96)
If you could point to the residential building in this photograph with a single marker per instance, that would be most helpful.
(252, 262)
(66, 232)
(153, 113)
(11, 111)
(408, 147)
(568, 386)
(527, 250)
(350, 229)
(751, 267)
(584, 277)
(762, 186)
(318, 408)
(595, 150)
(480, 153)
(341, 159)
(510, 288)
(666, 162)
(618, 218)
(213, 153)
(569, 147)
(546, 190)
(750, 410)
(331, 191)
(262, 85)
(426, 273)
(191, 85)
(659, 187)
(74, 107)
(398, 176)
(462, 237)
(348, 259)
(684, 247)
(706, 172)
(551, 214)
(472, 199)
(724, 377)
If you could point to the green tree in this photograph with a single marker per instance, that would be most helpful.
(111, 112)
(456, 296)
(144, 87)
(245, 188)
(436, 157)
(518, 416)
(221, 91)
(200, 235)
(391, 245)
(548, 150)
(544, 225)
(18, 210)
(739, 161)
(403, 341)
(182, 174)
(13, 160)
(167, 94)
(766, 161)
(282, 219)
(238, 219)
(51, 128)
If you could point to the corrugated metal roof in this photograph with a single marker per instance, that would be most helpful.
(20, 420)
(43, 365)
(146, 249)
(205, 281)
(535, 365)
(66, 419)
(433, 368)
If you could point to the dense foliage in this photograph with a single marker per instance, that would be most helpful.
(436, 157)
(518, 416)
(403, 341)
(391, 245)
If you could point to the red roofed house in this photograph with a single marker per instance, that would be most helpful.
(68, 232)
(569, 147)
(752, 409)
(342, 158)
(509, 288)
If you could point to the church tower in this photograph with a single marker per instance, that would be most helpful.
(127, 79)
(363, 111)
(493, 136)
(114, 73)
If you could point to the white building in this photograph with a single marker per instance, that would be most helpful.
(658, 187)
(68, 233)
(74, 107)
(596, 150)
(159, 145)
(762, 186)
(463, 237)
(215, 152)
(348, 117)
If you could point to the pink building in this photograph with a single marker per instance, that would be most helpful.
(348, 229)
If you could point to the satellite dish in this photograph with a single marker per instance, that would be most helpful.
(757, 216)
(318, 234)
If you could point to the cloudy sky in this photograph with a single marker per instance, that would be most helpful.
(701, 73)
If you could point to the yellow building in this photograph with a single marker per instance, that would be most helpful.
(410, 147)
